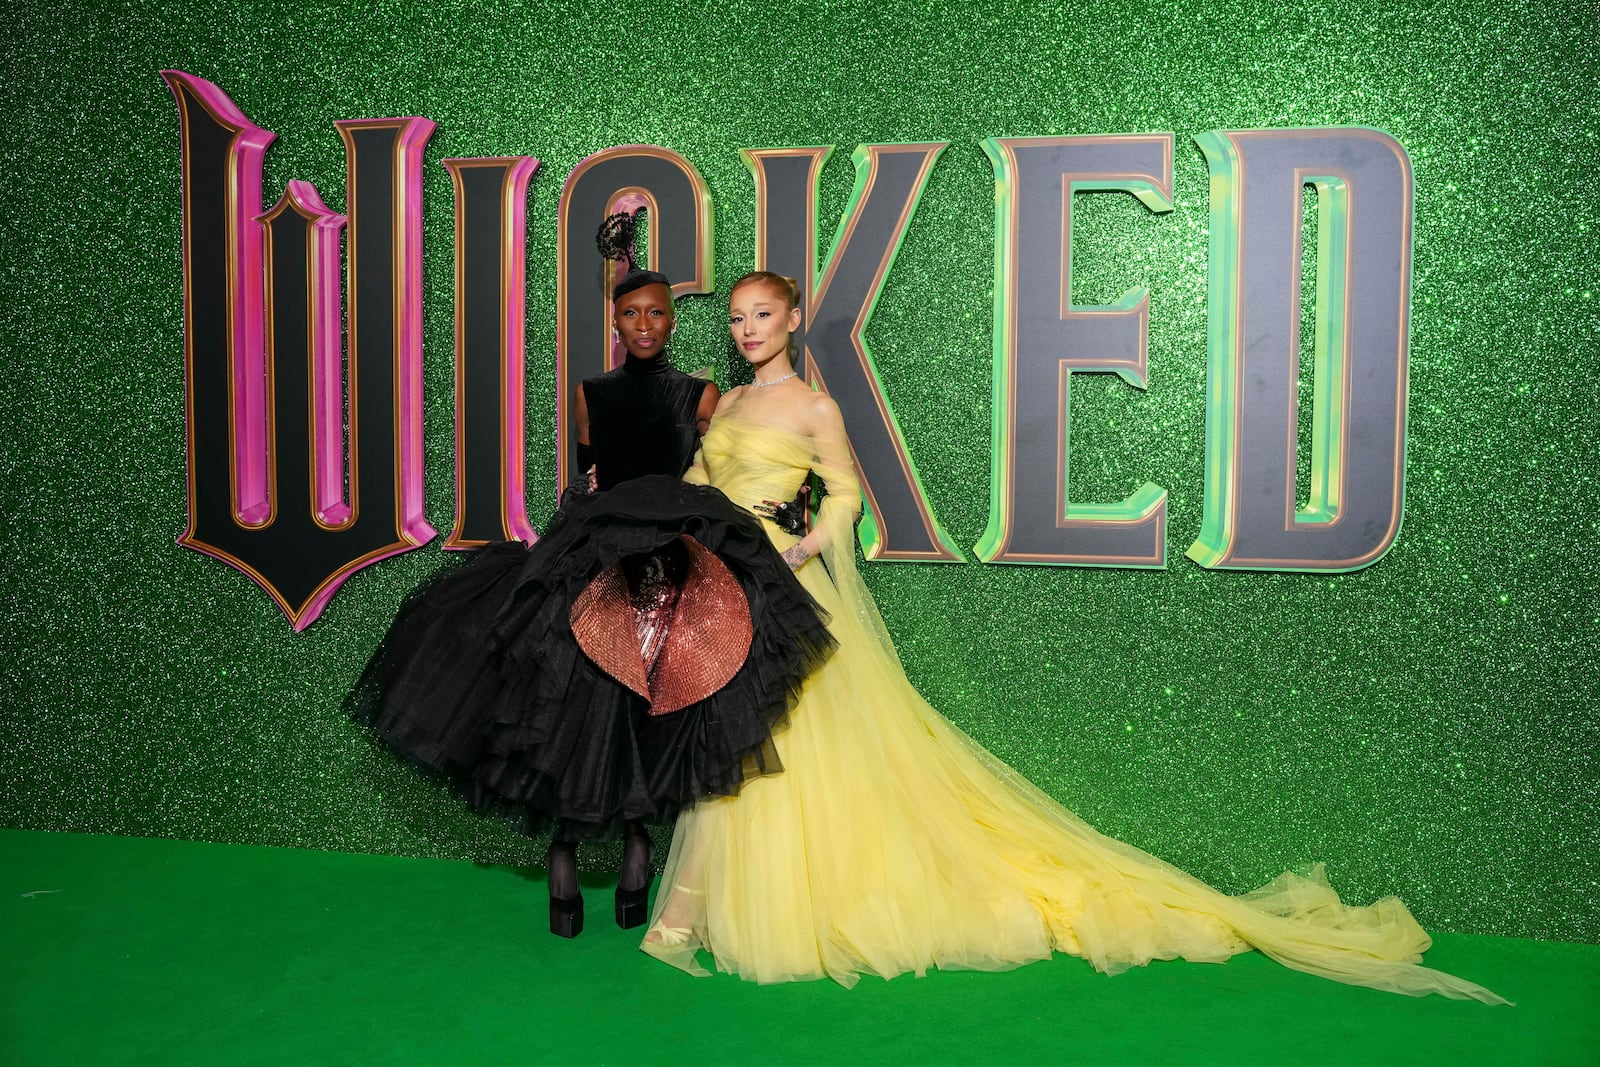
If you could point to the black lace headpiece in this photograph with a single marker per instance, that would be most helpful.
(615, 241)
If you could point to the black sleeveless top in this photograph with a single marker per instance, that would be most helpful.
(642, 420)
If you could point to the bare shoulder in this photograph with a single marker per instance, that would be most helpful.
(730, 398)
(706, 409)
(822, 413)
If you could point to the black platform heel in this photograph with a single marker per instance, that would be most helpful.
(631, 907)
(633, 881)
(566, 909)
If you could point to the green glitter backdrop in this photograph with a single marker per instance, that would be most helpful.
(1424, 725)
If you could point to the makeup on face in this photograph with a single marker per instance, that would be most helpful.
(760, 320)
(643, 318)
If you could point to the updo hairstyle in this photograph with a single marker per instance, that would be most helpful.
(785, 285)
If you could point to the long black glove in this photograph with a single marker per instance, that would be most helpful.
(583, 483)
(792, 516)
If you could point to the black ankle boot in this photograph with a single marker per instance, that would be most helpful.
(633, 881)
(566, 906)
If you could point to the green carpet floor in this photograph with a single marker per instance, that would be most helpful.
(121, 950)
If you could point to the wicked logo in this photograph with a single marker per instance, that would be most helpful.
(299, 474)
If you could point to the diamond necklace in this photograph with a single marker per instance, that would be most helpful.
(775, 381)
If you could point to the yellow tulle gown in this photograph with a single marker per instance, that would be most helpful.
(892, 842)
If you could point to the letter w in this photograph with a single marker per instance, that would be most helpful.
(269, 489)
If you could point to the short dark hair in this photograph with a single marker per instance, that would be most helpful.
(638, 279)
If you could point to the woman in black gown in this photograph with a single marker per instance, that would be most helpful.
(632, 660)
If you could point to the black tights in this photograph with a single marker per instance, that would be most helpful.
(635, 872)
(562, 862)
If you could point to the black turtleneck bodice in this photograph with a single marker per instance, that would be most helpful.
(642, 420)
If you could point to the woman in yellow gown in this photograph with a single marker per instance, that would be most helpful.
(892, 842)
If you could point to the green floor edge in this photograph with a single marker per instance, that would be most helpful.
(142, 951)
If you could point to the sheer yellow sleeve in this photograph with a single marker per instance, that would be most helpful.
(835, 464)
(835, 541)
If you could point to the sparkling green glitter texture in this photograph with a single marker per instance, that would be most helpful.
(1425, 725)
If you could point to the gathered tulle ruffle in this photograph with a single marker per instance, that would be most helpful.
(893, 842)
(481, 678)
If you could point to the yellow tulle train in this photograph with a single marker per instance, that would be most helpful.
(892, 842)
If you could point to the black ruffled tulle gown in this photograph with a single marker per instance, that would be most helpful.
(492, 671)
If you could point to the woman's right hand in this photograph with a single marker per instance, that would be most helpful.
(791, 516)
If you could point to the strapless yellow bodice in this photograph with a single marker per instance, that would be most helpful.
(751, 463)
